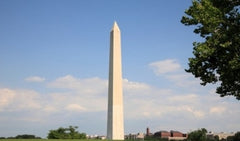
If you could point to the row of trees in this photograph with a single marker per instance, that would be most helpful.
(60, 133)
(198, 135)
(24, 136)
(71, 133)
(201, 135)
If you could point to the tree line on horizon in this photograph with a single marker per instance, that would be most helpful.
(197, 135)
(23, 136)
(71, 133)
(60, 133)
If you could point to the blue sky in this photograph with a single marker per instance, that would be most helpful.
(54, 68)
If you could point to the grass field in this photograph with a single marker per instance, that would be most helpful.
(57, 140)
(48, 140)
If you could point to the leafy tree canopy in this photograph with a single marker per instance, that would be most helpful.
(26, 136)
(237, 137)
(217, 58)
(198, 135)
(66, 133)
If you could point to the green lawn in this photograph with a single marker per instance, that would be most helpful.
(48, 140)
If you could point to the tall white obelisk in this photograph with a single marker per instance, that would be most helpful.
(115, 125)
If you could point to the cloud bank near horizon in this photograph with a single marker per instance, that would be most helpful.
(69, 96)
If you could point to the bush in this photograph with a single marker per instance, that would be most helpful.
(66, 133)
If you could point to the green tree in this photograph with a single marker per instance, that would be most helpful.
(230, 138)
(66, 133)
(237, 137)
(26, 136)
(214, 138)
(217, 58)
(59, 133)
(198, 135)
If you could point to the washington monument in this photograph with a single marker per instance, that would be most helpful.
(115, 125)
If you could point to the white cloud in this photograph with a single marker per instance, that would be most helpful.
(184, 98)
(70, 95)
(131, 88)
(6, 97)
(130, 85)
(75, 108)
(15, 100)
(217, 110)
(183, 79)
(171, 70)
(91, 93)
(196, 113)
(165, 66)
(49, 109)
(35, 79)
(86, 86)
(88, 103)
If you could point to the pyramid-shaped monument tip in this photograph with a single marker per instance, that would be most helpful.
(115, 26)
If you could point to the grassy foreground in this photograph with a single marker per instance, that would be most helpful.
(49, 140)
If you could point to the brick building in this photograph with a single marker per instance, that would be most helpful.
(162, 134)
(172, 135)
(177, 134)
